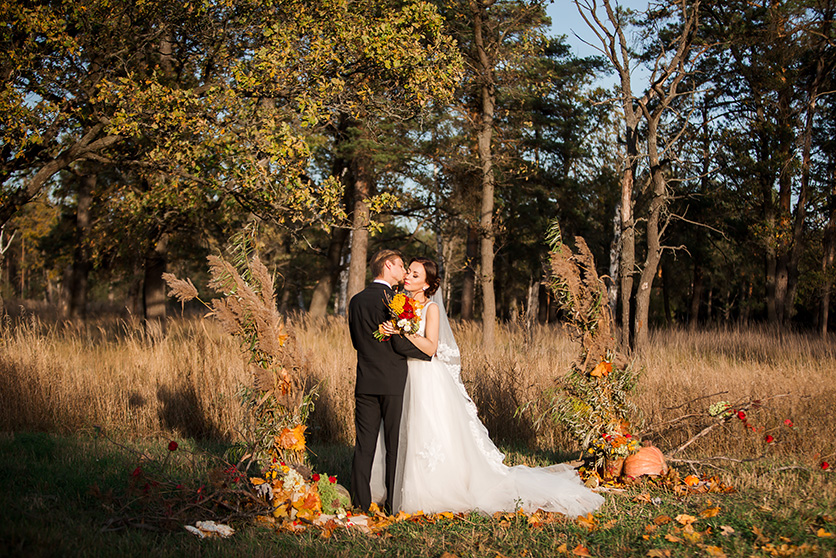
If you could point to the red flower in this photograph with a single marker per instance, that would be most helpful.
(825, 465)
(741, 415)
(769, 439)
(172, 446)
(628, 436)
(788, 422)
(332, 479)
(137, 472)
(315, 477)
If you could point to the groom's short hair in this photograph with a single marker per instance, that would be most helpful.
(379, 260)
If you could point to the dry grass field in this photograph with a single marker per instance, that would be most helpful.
(59, 380)
(61, 376)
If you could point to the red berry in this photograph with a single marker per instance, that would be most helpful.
(741, 415)
(172, 445)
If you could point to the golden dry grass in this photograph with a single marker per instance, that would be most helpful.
(65, 376)
(113, 374)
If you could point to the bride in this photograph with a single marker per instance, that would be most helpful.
(446, 460)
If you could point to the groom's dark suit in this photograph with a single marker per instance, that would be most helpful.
(378, 395)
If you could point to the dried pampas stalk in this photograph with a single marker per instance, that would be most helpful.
(181, 289)
(247, 309)
(223, 312)
(264, 281)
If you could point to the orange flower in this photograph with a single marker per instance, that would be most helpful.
(691, 480)
(292, 438)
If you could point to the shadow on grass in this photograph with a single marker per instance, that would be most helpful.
(60, 493)
(63, 494)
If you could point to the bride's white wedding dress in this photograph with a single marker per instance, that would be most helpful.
(447, 461)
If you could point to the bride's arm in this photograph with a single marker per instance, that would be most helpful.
(429, 342)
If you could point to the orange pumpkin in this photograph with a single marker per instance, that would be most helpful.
(647, 461)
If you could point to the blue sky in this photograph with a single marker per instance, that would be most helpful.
(566, 21)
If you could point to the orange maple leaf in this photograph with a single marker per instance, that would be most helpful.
(581, 550)
(292, 438)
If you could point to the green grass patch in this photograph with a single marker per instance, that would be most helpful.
(71, 496)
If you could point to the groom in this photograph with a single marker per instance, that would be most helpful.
(381, 377)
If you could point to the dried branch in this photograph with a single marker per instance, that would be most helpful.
(721, 420)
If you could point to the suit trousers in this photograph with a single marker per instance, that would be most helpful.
(369, 410)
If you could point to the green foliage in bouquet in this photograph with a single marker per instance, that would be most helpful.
(334, 501)
(592, 400)
(277, 401)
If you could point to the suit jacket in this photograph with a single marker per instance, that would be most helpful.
(381, 365)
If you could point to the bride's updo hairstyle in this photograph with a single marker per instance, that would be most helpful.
(431, 271)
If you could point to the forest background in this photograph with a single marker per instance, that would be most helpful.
(139, 139)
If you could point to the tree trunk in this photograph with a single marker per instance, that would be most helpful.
(696, 297)
(806, 150)
(829, 255)
(532, 304)
(446, 256)
(615, 251)
(785, 154)
(153, 287)
(469, 280)
(334, 264)
(628, 257)
(23, 267)
(4, 246)
(328, 280)
(709, 305)
(827, 267)
(544, 296)
(484, 137)
(666, 295)
(363, 186)
(745, 305)
(79, 270)
(651, 262)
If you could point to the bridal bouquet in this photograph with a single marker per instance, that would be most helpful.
(406, 315)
